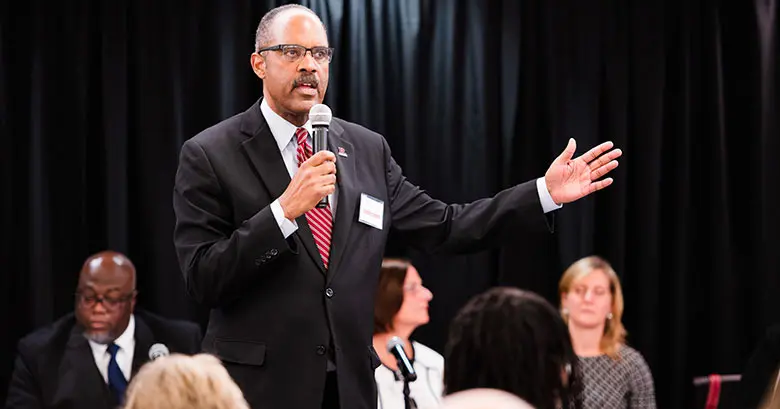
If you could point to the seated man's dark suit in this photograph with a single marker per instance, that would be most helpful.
(55, 367)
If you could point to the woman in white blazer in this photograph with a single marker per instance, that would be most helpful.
(402, 306)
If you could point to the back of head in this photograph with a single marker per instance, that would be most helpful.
(184, 382)
(484, 398)
(513, 340)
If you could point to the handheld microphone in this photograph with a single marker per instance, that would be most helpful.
(396, 347)
(158, 351)
(320, 117)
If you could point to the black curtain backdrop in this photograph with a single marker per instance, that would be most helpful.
(473, 96)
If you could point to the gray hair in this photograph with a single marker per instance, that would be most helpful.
(263, 34)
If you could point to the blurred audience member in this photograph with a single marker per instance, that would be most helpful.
(184, 382)
(759, 378)
(614, 374)
(484, 398)
(401, 306)
(513, 340)
(84, 359)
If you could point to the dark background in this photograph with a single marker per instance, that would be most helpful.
(473, 96)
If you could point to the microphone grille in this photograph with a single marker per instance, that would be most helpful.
(394, 342)
(157, 351)
(320, 115)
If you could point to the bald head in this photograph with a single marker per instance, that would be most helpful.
(108, 266)
(484, 398)
(106, 295)
(267, 30)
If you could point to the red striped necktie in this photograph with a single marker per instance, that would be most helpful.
(320, 220)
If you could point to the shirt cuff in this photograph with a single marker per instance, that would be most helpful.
(548, 204)
(287, 226)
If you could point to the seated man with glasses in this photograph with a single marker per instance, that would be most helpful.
(85, 359)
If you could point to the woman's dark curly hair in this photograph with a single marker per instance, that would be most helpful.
(514, 340)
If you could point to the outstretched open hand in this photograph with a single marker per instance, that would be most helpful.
(570, 179)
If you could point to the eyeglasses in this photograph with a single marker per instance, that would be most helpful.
(90, 300)
(295, 52)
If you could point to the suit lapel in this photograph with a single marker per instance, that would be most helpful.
(78, 357)
(143, 341)
(345, 176)
(263, 153)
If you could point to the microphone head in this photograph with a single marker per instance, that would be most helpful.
(394, 342)
(157, 351)
(320, 115)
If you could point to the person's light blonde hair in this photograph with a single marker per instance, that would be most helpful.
(181, 381)
(614, 332)
(771, 399)
(483, 398)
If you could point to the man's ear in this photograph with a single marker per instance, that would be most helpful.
(132, 301)
(258, 65)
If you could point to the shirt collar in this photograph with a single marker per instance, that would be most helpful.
(282, 130)
(126, 340)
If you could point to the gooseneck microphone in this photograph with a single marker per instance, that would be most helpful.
(396, 347)
(320, 117)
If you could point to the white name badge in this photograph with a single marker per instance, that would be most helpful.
(372, 211)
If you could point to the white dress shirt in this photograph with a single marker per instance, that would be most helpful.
(284, 132)
(124, 356)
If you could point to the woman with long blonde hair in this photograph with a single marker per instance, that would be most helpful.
(614, 374)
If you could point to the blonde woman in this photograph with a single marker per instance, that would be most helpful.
(184, 382)
(614, 374)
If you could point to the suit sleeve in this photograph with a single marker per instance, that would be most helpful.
(436, 227)
(23, 390)
(217, 259)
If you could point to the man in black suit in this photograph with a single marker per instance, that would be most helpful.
(291, 286)
(85, 359)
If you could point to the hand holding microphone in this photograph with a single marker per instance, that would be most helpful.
(316, 177)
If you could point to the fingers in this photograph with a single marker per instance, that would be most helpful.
(600, 184)
(318, 167)
(603, 170)
(594, 153)
(320, 158)
(567, 153)
(326, 184)
(604, 159)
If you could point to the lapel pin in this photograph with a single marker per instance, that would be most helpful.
(342, 152)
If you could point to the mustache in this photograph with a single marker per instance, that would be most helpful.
(306, 79)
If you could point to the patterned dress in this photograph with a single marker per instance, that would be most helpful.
(617, 384)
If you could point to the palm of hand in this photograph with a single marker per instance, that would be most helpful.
(570, 179)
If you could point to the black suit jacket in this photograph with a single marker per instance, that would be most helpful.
(276, 313)
(55, 367)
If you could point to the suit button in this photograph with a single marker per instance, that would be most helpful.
(329, 292)
(274, 252)
(320, 350)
